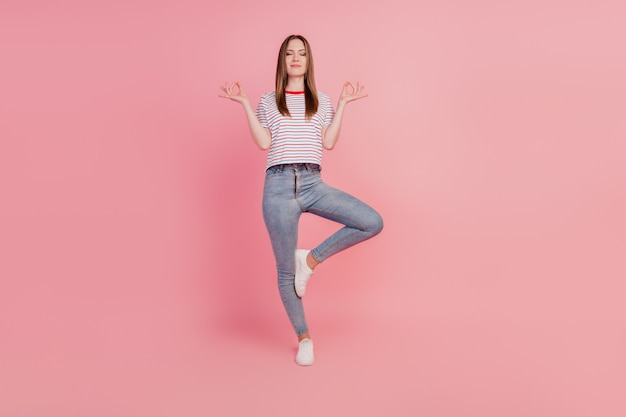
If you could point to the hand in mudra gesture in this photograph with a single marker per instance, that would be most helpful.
(235, 94)
(350, 93)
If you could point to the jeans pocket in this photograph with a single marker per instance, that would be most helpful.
(272, 172)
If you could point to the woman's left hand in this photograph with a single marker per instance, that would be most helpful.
(350, 93)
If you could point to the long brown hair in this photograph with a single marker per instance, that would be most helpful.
(310, 91)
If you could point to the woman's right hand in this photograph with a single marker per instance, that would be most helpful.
(235, 94)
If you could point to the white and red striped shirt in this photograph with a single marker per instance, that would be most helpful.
(294, 139)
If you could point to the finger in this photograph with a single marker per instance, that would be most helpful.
(355, 98)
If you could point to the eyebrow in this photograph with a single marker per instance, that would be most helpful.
(299, 50)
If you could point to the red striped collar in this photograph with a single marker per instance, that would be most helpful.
(294, 92)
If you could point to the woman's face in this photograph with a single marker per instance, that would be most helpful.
(295, 58)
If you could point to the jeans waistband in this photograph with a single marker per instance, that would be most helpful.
(299, 166)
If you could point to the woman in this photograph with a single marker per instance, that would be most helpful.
(295, 122)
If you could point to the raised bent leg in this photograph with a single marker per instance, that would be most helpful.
(361, 222)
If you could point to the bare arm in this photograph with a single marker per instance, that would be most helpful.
(330, 133)
(261, 135)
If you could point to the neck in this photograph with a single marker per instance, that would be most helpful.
(295, 84)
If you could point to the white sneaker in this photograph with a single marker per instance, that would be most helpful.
(305, 353)
(303, 272)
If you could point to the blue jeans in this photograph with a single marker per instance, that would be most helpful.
(291, 190)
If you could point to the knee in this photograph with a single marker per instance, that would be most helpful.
(375, 224)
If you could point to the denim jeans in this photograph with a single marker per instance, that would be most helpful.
(291, 190)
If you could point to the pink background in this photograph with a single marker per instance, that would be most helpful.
(136, 273)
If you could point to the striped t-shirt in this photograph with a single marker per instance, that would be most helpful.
(294, 139)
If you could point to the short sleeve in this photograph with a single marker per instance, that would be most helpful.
(329, 112)
(261, 111)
